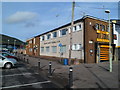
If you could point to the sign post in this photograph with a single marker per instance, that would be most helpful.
(60, 45)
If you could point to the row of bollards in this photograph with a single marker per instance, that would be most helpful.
(50, 72)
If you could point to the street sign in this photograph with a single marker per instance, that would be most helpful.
(60, 45)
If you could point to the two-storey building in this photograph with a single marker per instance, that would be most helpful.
(90, 40)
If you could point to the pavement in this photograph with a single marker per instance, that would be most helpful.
(84, 75)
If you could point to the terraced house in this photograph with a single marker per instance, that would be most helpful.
(90, 40)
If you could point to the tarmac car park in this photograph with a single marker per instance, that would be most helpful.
(23, 77)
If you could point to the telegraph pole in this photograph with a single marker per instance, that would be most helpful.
(71, 29)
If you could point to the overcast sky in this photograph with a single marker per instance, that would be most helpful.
(23, 20)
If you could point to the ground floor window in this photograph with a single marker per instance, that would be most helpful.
(42, 49)
(48, 49)
(63, 48)
(30, 50)
(54, 49)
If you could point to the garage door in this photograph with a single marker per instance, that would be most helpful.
(104, 52)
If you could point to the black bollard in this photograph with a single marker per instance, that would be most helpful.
(27, 61)
(39, 65)
(50, 71)
(24, 59)
(70, 77)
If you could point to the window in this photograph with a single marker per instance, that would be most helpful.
(97, 26)
(54, 49)
(30, 50)
(63, 48)
(115, 36)
(107, 28)
(63, 32)
(48, 49)
(42, 38)
(42, 49)
(103, 28)
(76, 46)
(54, 34)
(30, 41)
(48, 36)
(79, 27)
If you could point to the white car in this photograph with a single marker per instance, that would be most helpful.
(7, 62)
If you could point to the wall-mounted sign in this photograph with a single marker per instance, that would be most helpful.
(52, 42)
(60, 45)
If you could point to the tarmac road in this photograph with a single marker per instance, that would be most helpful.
(21, 77)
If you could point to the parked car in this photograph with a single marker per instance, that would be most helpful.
(8, 55)
(7, 62)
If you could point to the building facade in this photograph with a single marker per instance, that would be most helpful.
(116, 30)
(90, 40)
(29, 47)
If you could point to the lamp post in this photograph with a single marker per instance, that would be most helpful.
(110, 48)
(14, 44)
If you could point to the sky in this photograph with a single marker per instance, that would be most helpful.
(24, 20)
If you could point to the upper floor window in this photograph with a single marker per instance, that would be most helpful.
(103, 27)
(30, 41)
(97, 26)
(77, 28)
(63, 32)
(107, 28)
(48, 36)
(54, 34)
(74, 28)
(42, 38)
(42, 49)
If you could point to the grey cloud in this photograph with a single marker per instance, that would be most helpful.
(20, 17)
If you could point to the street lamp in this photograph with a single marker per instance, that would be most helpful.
(14, 44)
(110, 48)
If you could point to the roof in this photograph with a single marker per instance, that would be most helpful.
(79, 20)
(59, 27)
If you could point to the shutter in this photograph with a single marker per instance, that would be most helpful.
(59, 32)
(74, 29)
(40, 38)
(45, 37)
(73, 47)
(69, 30)
(78, 28)
(77, 47)
(51, 35)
